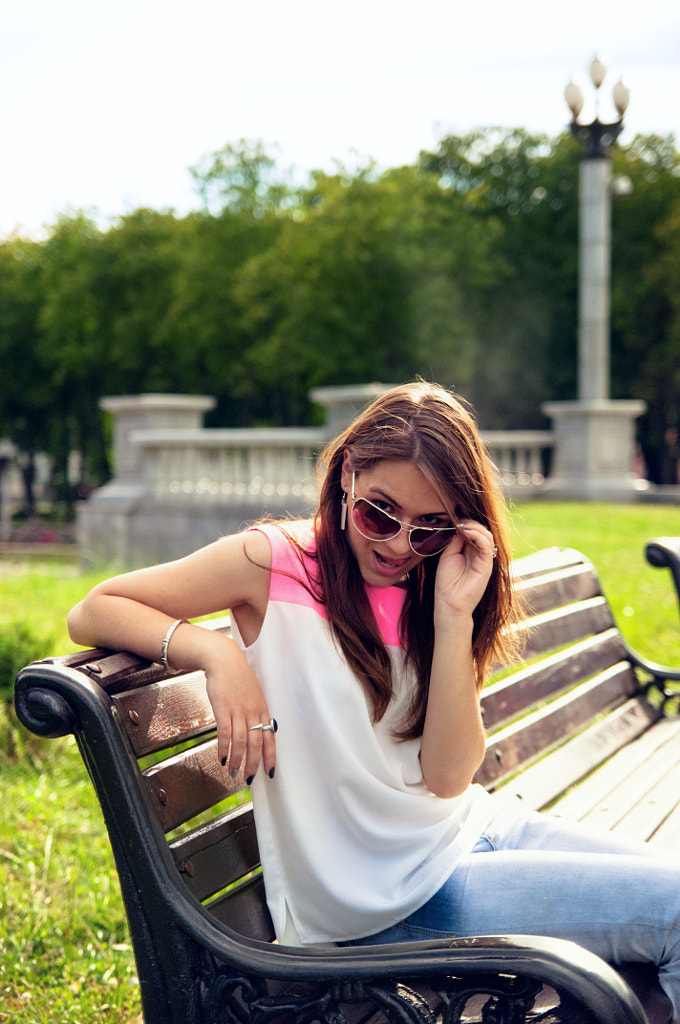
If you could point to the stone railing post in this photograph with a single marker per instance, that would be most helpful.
(149, 412)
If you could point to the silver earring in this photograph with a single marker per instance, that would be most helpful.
(343, 512)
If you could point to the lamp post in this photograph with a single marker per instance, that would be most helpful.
(597, 139)
(594, 435)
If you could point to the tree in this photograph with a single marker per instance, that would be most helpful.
(522, 187)
(242, 177)
(105, 295)
(25, 415)
(325, 303)
(204, 318)
(645, 354)
(449, 261)
(374, 276)
(74, 348)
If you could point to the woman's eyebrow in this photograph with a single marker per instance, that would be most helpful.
(379, 493)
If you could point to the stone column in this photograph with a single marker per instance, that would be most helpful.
(594, 275)
(344, 402)
(104, 521)
(149, 412)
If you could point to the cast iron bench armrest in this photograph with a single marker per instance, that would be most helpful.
(664, 553)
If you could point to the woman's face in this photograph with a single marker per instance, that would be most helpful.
(401, 490)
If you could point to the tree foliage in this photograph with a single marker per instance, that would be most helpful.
(523, 188)
(461, 268)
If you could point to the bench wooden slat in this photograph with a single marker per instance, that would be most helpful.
(165, 713)
(545, 561)
(633, 786)
(217, 854)
(576, 804)
(555, 629)
(188, 783)
(518, 744)
(540, 784)
(244, 911)
(565, 586)
(510, 697)
(667, 835)
(661, 798)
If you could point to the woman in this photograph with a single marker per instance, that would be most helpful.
(364, 637)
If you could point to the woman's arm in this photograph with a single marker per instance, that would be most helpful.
(453, 742)
(133, 612)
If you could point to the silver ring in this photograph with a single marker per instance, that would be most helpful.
(272, 727)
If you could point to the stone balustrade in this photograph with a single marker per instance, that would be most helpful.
(522, 457)
(178, 485)
(240, 466)
(252, 466)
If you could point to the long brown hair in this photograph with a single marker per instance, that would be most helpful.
(424, 424)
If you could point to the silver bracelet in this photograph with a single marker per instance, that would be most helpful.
(166, 640)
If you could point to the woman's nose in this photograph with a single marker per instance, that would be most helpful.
(399, 545)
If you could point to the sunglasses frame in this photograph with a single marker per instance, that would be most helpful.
(399, 526)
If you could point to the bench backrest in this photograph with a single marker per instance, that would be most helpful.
(575, 667)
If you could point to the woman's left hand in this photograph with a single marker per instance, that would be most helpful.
(452, 745)
(464, 570)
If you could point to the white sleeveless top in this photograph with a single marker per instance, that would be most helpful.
(351, 840)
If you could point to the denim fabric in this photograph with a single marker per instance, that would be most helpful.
(538, 875)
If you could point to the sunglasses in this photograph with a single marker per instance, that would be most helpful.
(374, 524)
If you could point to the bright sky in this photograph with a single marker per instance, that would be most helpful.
(104, 104)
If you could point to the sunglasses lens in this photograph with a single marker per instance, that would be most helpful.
(430, 542)
(372, 522)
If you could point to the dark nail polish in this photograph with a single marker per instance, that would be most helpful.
(249, 780)
(223, 761)
(234, 773)
(271, 772)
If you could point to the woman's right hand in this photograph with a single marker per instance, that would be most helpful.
(239, 704)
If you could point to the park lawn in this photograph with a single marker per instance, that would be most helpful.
(643, 599)
(65, 956)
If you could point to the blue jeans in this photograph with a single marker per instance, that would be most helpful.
(538, 875)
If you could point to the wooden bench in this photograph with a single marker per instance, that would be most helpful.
(189, 866)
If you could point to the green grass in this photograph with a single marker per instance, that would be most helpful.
(613, 537)
(42, 595)
(65, 956)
